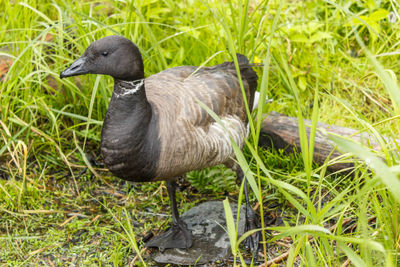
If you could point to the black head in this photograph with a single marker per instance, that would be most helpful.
(112, 55)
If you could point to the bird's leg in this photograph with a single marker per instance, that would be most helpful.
(251, 219)
(178, 236)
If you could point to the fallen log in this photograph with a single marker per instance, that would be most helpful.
(282, 132)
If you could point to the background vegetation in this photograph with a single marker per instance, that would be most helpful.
(332, 61)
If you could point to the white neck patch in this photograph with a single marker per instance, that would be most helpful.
(129, 87)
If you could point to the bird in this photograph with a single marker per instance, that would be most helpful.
(156, 129)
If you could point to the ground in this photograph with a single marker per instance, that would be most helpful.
(330, 61)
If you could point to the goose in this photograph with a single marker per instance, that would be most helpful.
(155, 129)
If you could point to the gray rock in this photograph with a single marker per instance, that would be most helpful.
(210, 240)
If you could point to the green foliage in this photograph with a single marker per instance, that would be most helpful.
(332, 61)
(217, 179)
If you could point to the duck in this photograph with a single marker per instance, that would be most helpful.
(156, 129)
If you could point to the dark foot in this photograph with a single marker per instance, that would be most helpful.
(252, 222)
(178, 236)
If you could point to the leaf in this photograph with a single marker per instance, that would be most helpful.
(230, 224)
(371, 4)
(302, 83)
(299, 229)
(190, 31)
(355, 259)
(372, 19)
(378, 15)
(155, 12)
(246, 170)
(359, 20)
(355, 240)
(299, 37)
(376, 29)
(310, 255)
(312, 27)
(318, 36)
(392, 75)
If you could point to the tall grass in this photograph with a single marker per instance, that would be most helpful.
(327, 61)
(328, 243)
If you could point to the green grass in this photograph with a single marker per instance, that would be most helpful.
(331, 61)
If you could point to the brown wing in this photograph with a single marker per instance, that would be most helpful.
(180, 88)
(191, 139)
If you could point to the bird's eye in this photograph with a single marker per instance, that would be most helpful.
(105, 53)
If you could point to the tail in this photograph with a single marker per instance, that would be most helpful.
(246, 72)
(249, 75)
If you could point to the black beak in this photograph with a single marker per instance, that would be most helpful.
(76, 68)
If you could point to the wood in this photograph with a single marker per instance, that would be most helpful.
(281, 132)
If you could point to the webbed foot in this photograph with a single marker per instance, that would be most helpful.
(178, 236)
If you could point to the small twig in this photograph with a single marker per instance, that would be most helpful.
(256, 206)
(93, 220)
(78, 214)
(40, 211)
(51, 263)
(113, 192)
(147, 213)
(286, 245)
(276, 260)
(158, 189)
(40, 250)
(373, 100)
(371, 218)
(345, 221)
(68, 220)
(346, 263)
(131, 264)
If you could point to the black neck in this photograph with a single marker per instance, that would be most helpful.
(129, 112)
(130, 134)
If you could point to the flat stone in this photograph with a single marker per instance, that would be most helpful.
(210, 240)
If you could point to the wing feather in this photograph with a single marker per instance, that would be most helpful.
(191, 139)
